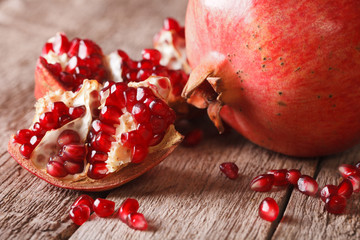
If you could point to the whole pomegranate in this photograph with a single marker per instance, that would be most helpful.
(285, 74)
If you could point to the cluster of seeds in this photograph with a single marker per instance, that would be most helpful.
(136, 71)
(59, 115)
(269, 209)
(151, 115)
(85, 61)
(128, 212)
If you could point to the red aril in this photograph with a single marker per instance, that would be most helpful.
(137, 221)
(269, 209)
(327, 191)
(84, 199)
(307, 185)
(262, 183)
(244, 71)
(193, 138)
(103, 207)
(355, 180)
(292, 176)
(347, 170)
(335, 204)
(79, 214)
(230, 169)
(129, 206)
(345, 188)
(279, 177)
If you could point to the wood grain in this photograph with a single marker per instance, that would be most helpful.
(186, 196)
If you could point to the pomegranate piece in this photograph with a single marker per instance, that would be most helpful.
(230, 169)
(355, 180)
(307, 185)
(85, 200)
(129, 206)
(279, 177)
(345, 188)
(65, 64)
(292, 176)
(137, 221)
(327, 191)
(269, 209)
(193, 138)
(262, 183)
(335, 204)
(103, 207)
(347, 170)
(80, 214)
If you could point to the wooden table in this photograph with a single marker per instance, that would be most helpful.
(185, 197)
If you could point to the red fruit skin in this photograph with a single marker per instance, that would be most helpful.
(287, 83)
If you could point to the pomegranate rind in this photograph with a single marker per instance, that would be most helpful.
(45, 81)
(156, 155)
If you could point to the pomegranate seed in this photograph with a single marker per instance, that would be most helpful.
(54, 68)
(110, 115)
(137, 221)
(230, 170)
(48, 120)
(123, 55)
(97, 171)
(98, 126)
(80, 214)
(327, 191)
(159, 107)
(145, 64)
(140, 112)
(56, 169)
(103, 207)
(279, 177)
(158, 124)
(138, 153)
(73, 167)
(144, 133)
(129, 206)
(97, 157)
(345, 188)
(355, 180)
(84, 199)
(74, 47)
(347, 170)
(152, 55)
(358, 166)
(76, 112)
(61, 44)
(292, 176)
(64, 120)
(23, 136)
(75, 152)
(26, 150)
(68, 137)
(262, 183)
(269, 209)
(157, 138)
(102, 142)
(335, 204)
(34, 141)
(38, 129)
(47, 48)
(307, 185)
(171, 24)
(193, 138)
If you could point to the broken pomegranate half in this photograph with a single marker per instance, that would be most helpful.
(84, 140)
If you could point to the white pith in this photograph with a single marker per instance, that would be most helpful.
(47, 146)
(114, 63)
(173, 52)
(53, 58)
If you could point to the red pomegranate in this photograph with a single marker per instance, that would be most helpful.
(285, 74)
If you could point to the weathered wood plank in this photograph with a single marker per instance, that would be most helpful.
(186, 197)
(306, 218)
